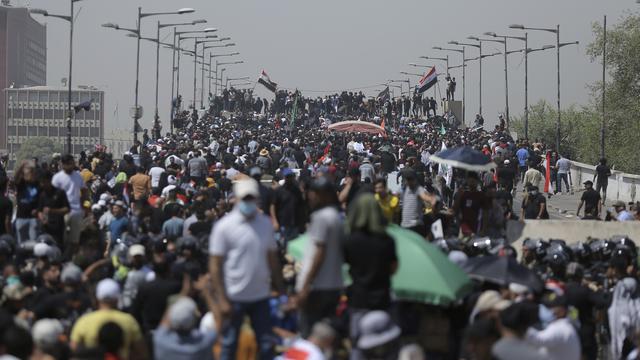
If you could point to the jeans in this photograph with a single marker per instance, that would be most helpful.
(355, 315)
(321, 304)
(26, 229)
(258, 312)
(562, 177)
(602, 186)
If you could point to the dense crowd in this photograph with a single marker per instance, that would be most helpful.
(179, 250)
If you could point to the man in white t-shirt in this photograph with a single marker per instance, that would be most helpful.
(155, 172)
(69, 180)
(320, 281)
(243, 265)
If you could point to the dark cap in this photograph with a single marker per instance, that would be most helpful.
(588, 182)
(553, 300)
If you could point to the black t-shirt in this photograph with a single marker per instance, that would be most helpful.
(370, 258)
(531, 206)
(6, 211)
(603, 173)
(27, 199)
(591, 199)
(55, 199)
(151, 301)
(504, 198)
(200, 228)
(288, 202)
(506, 176)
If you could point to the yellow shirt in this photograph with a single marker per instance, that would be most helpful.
(86, 175)
(85, 331)
(389, 206)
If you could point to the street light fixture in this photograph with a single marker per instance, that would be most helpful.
(68, 18)
(141, 15)
(445, 59)
(556, 31)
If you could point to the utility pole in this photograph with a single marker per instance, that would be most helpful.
(604, 84)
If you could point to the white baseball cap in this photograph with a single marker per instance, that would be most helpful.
(244, 188)
(108, 289)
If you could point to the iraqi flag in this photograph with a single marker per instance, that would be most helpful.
(427, 81)
(266, 81)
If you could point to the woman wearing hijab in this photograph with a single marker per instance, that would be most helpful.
(371, 255)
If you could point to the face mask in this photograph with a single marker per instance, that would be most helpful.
(248, 208)
(533, 193)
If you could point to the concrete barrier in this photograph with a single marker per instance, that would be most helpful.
(622, 186)
(570, 231)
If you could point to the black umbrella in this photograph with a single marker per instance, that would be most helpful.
(502, 270)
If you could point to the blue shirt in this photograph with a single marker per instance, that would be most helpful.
(173, 227)
(523, 156)
(117, 227)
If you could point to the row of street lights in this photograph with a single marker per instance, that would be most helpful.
(502, 39)
(136, 32)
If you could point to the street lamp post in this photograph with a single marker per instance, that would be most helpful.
(70, 19)
(156, 117)
(211, 57)
(445, 59)
(180, 38)
(556, 31)
(462, 51)
(197, 42)
(243, 78)
(479, 47)
(136, 31)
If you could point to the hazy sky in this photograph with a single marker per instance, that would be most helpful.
(330, 45)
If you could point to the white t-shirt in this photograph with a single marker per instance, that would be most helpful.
(155, 173)
(325, 228)
(559, 340)
(244, 244)
(72, 184)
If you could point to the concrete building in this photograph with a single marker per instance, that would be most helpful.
(40, 111)
(23, 55)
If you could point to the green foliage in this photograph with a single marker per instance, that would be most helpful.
(39, 147)
(580, 127)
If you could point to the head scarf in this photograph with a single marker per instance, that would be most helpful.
(365, 215)
(624, 314)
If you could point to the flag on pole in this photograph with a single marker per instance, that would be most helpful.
(427, 81)
(547, 175)
(294, 110)
(86, 106)
(266, 82)
(384, 95)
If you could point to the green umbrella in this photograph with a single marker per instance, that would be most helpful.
(424, 273)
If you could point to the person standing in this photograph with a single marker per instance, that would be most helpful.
(534, 205)
(414, 197)
(320, 281)
(27, 191)
(523, 156)
(287, 212)
(198, 168)
(591, 201)
(601, 178)
(243, 260)
(563, 166)
(532, 176)
(140, 184)
(69, 180)
(52, 207)
(559, 339)
(371, 255)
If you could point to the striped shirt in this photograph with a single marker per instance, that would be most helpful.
(412, 207)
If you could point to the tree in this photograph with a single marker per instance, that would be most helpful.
(42, 148)
(622, 122)
(578, 128)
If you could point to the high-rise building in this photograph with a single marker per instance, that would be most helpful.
(23, 55)
(40, 111)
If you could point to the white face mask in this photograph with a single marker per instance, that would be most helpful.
(248, 208)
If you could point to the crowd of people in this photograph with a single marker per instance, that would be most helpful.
(179, 250)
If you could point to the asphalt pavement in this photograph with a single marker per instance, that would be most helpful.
(560, 206)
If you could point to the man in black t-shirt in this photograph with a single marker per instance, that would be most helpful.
(602, 175)
(53, 205)
(591, 201)
(534, 205)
